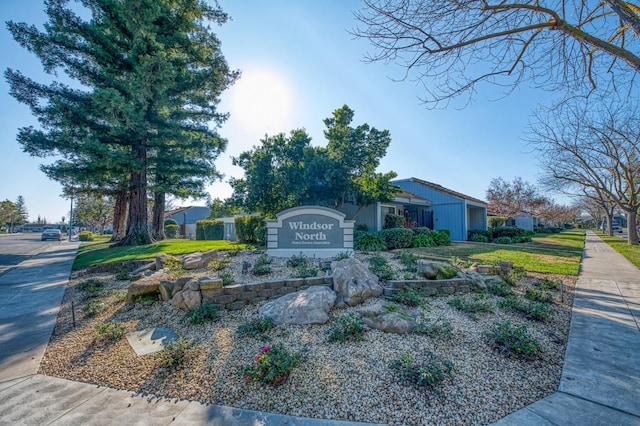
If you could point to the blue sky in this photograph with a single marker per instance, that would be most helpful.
(299, 64)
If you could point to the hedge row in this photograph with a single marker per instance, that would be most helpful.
(500, 235)
(399, 238)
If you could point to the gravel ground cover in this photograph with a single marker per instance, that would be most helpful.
(336, 380)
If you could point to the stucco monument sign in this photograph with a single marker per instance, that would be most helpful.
(310, 230)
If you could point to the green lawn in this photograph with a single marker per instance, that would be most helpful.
(554, 253)
(98, 251)
(631, 252)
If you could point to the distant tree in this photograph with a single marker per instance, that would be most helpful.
(508, 199)
(93, 211)
(221, 208)
(592, 150)
(150, 74)
(287, 171)
(452, 46)
(557, 214)
(21, 211)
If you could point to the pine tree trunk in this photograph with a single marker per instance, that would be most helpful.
(137, 220)
(157, 223)
(119, 216)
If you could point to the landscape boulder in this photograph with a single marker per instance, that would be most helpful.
(199, 260)
(162, 258)
(354, 282)
(430, 269)
(389, 317)
(310, 306)
(147, 285)
(143, 271)
(187, 299)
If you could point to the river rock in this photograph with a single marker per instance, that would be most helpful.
(354, 282)
(389, 317)
(310, 306)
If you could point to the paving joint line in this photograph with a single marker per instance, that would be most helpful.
(599, 404)
(635, 320)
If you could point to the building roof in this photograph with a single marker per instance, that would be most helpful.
(441, 188)
(408, 197)
(170, 213)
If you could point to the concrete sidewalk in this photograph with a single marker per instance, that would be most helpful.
(600, 382)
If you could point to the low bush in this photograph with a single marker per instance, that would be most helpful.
(397, 238)
(538, 295)
(514, 340)
(440, 327)
(227, 278)
(442, 237)
(85, 236)
(502, 289)
(91, 287)
(367, 241)
(487, 234)
(176, 352)
(423, 240)
(446, 272)
(272, 365)
(408, 260)
(203, 313)
(94, 307)
(219, 264)
(109, 331)
(262, 265)
(122, 275)
(502, 240)
(427, 374)
(472, 305)
(393, 221)
(209, 230)
(409, 296)
(305, 270)
(380, 266)
(342, 255)
(478, 238)
(171, 230)
(174, 268)
(548, 284)
(530, 310)
(507, 231)
(255, 327)
(349, 327)
(420, 230)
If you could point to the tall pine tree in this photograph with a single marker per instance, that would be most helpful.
(149, 74)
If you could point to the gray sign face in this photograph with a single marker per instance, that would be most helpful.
(310, 231)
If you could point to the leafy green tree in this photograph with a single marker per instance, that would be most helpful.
(150, 75)
(286, 171)
(94, 211)
(222, 208)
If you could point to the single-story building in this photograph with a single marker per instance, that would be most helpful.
(427, 204)
(187, 218)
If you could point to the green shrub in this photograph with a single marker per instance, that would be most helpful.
(255, 327)
(423, 240)
(295, 261)
(408, 260)
(227, 278)
(427, 374)
(421, 230)
(250, 229)
(548, 284)
(367, 241)
(530, 310)
(176, 352)
(305, 270)
(379, 266)
(85, 236)
(219, 264)
(110, 331)
(203, 313)
(471, 305)
(342, 255)
(350, 327)
(478, 238)
(94, 307)
(519, 240)
(502, 289)
(440, 327)
(171, 230)
(514, 340)
(538, 295)
(262, 265)
(502, 240)
(487, 234)
(397, 238)
(409, 296)
(170, 221)
(122, 275)
(393, 221)
(361, 227)
(442, 237)
(209, 230)
(507, 231)
(272, 365)
(91, 287)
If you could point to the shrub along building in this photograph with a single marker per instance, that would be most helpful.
(423, 203)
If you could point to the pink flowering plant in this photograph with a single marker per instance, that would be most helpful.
(272, 365)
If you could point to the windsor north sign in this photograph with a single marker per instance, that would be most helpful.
(311, 230)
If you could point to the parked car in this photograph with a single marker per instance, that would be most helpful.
(616, 228)
(52, 234)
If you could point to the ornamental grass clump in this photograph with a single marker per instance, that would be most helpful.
(176, 352)
(203, 313)
(272, 365)
(255, 327)
(410, 296)
(426, 374)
